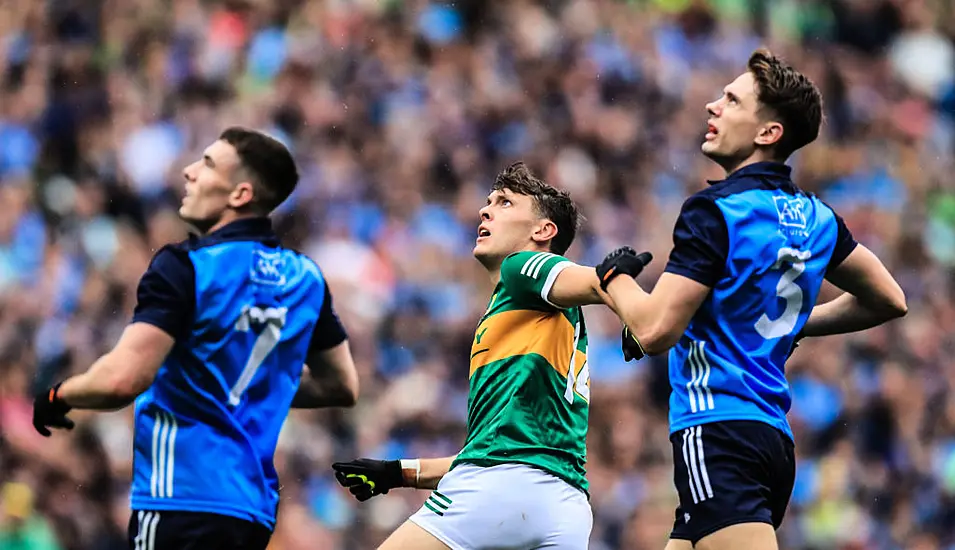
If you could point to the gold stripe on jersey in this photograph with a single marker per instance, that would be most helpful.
(522, 332)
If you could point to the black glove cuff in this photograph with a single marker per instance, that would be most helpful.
(52, 396)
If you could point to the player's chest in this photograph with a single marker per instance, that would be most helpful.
(509, 333)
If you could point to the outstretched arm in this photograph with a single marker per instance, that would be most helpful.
(367, 477)
(577, 285)
(657, 319)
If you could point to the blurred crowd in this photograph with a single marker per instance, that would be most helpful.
(399, 113)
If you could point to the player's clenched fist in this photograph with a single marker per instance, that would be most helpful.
(622, 261)
(49, 411)
(366, 477)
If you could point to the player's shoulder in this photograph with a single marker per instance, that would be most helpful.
(172, 256)
(308, 264)
(529, 263)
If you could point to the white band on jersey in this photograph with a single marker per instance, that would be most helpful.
(412, 464)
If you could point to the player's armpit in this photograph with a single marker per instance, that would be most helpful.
(577, 285)
(116, 378)
(329, 379)
(660, 318)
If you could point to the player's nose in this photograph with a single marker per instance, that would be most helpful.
(713, 108)
(485, 212)
(188, 173)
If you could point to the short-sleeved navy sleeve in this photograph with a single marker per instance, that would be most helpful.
(329, 331)
(845, 243)
(166, 297)
(700, 242)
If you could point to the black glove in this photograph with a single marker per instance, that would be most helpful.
(631, 347)
(622, 261)
(366, 477)
(49, 411)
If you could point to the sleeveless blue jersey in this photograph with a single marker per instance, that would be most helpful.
(243, 311)
(764, 248)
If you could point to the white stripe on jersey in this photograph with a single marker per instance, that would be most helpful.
(690, 387)
(551, 277)
(705, 380)
(163, 455)
(171, 458)
(540, 264)
(532, 266)
(698, 388)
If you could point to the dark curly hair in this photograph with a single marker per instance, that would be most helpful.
(551, 203)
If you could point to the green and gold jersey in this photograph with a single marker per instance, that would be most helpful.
(529, 381)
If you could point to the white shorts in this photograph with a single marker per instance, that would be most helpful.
(506, 507)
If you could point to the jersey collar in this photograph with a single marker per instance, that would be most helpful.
(247, 229)
(775, 172)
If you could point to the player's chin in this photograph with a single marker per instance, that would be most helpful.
(709, 149)
(483, 254)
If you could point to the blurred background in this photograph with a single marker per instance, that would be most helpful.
(399, 114)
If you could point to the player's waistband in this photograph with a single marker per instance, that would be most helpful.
(221, 507)
(690, 420)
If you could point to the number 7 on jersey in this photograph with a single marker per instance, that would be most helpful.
(273, 320)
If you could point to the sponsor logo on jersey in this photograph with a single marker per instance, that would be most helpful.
(267, 268)
(791, 211)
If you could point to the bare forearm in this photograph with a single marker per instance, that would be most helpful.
(843, 315)
(99, 388)
(634, 308)
(430, 473)
(322, 392)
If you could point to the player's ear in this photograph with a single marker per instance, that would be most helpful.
(769, 134)
(242, 195)
(545, 232)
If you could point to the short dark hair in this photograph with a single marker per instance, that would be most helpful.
(550, 203)
(789, 95)
(268, 165)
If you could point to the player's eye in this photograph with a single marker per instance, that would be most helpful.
(506, 202)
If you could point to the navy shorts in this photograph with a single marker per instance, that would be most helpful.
(162, 530)
(728, 473)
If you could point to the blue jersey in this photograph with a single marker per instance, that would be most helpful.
(764, 248)
(244, 312)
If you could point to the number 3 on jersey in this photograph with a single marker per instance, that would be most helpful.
(788, 290)
(273, 320)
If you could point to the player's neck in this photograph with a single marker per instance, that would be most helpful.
(227, 218)
(732, 165)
